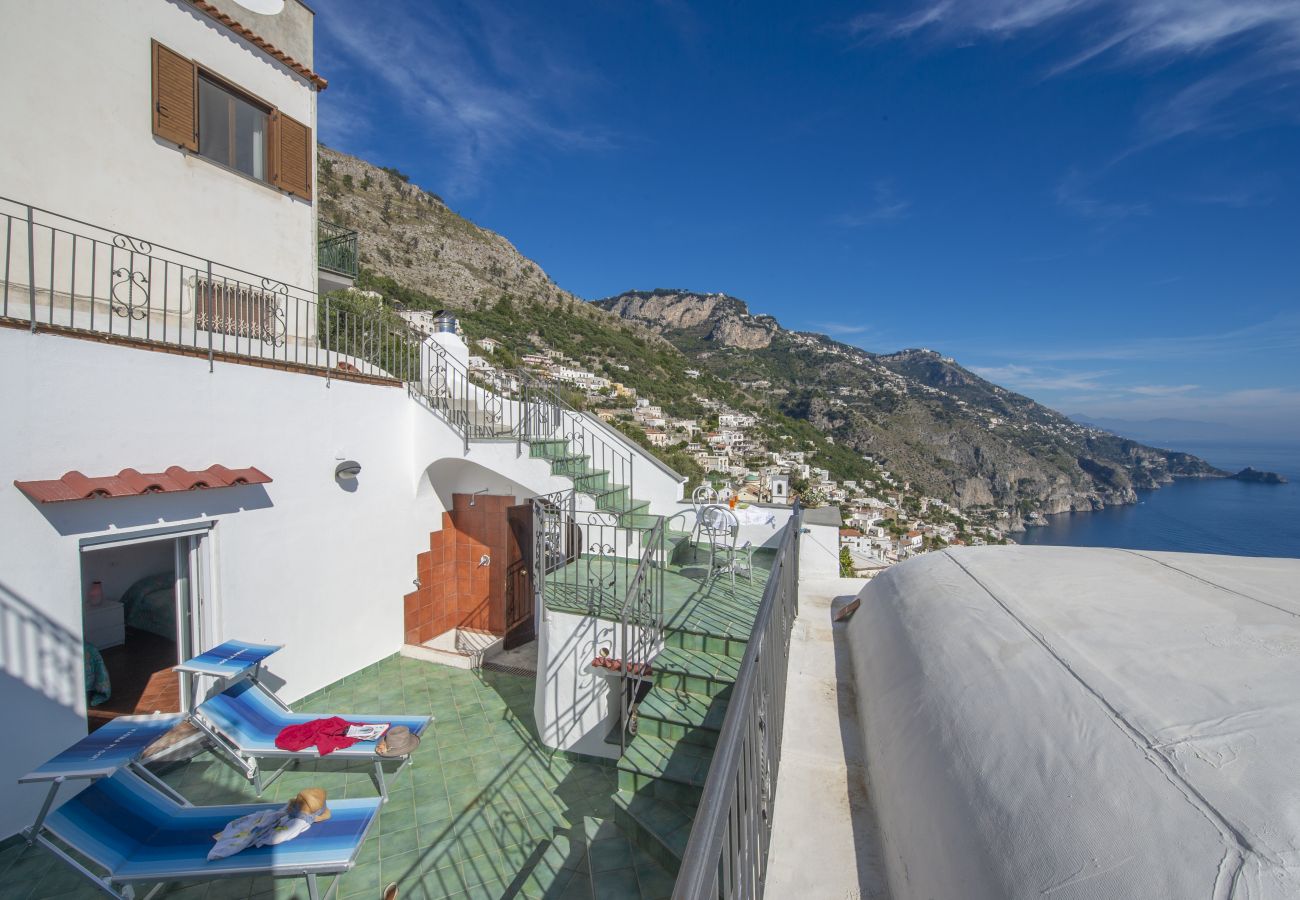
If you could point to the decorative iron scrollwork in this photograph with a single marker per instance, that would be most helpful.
(135, 245)
(132, 280)
(602, 575)
(271, 286)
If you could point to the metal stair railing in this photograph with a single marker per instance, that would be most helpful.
(726, 854)
(549, 417)
(642, 627)
(477, 406)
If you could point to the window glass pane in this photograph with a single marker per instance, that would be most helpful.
(250, 139)
(232, 131)
(214, 122)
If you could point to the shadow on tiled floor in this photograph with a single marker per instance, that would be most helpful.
(484, 810)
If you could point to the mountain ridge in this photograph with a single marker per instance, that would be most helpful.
(937, 426)
(919, 412)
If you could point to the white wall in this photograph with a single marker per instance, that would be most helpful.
(573, 706)
(79, 139)
(300, 561)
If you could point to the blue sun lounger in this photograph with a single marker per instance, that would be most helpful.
(130, 824)
(244, 720)
(139, 836)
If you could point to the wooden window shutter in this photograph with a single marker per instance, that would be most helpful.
(175, 98)
(291, 155)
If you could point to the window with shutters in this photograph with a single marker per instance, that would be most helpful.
(232, 129)
(200, 111)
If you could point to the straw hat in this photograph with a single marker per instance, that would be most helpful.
(313, 801)
(397, 741)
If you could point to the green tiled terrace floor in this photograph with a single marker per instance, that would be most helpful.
(484, 810)
(692, 602)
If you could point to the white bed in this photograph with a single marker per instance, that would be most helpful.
(1083, 723)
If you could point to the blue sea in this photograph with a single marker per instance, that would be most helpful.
(1198, 516)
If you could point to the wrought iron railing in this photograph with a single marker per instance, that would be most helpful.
(549, 417)
(497, 405)
(336, 248)
(478, 406)
(726, 855)
(553, 540)
(586, 563)
(59, 273)
(641, 624)
(64, 274)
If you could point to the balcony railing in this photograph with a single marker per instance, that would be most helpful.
(59, 273)
(726, 855)
(336, 248)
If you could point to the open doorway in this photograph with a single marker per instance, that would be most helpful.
(141, 616)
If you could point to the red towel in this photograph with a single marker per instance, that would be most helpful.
(327, 735)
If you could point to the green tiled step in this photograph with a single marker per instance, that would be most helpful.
(571, 466)
(677, 761)
(614, 498)
(684, 795)
(659, 827)
(548, 448)
(687, 639)
(594, 482)
(679, 716)
(695, 671)
(616, 867)
(638, 515)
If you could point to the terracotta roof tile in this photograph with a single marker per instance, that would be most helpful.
(130, 483)
(253, 38)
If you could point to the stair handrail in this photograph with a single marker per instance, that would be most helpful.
(736, 804)
(641, 622)
(548, 416)
(470, 403)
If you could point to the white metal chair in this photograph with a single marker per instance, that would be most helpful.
(701, 497)
(720, 529)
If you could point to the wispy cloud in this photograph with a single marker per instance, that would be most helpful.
(476, 81)
(1160, 390)
(1038, 378)
(886, 205)
(1262, 35)
(842, 328)
(1075, 193)
(1272, 413)
(1106, 393)
(1280, 334)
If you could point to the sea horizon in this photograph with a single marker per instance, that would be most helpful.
(1198, 515)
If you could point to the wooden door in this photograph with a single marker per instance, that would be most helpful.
(521, 625)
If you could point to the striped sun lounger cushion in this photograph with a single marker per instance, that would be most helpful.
(136, 833)
(251, 719)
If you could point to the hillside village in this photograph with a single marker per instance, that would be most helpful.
(884, 521)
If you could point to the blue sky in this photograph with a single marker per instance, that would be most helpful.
(1091, 201)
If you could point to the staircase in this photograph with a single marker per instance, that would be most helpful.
(596, 483)
(663, 769)
(518, 407)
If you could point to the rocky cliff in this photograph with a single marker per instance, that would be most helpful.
(413, 237)
(920, 414)
(931, 422)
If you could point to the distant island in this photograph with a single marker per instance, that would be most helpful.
(1256, 476)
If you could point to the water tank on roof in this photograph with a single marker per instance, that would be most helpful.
(265, 7)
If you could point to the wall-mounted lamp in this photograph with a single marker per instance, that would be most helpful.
(474, 495)
(347, 470)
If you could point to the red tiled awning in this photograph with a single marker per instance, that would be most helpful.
(130, 483)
